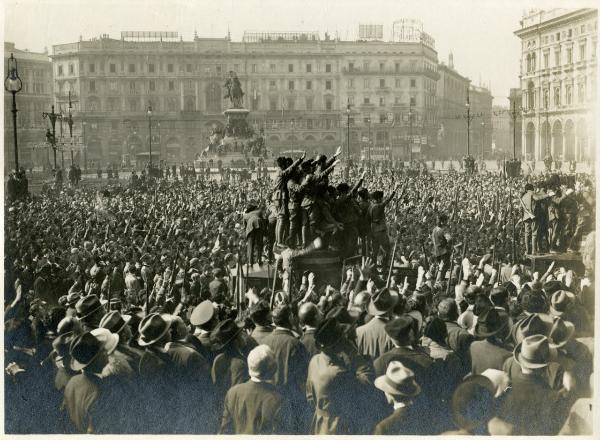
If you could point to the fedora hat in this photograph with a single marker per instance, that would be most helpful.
(560, 333)
(152, 328)
(114, 321)
(328, 333)
(534, 352)
(259, 312)
(534, 324)
(560, 302)
(61, 344)
(72, 298)
(202, 313)
(225, 332)
(549, 287)
(87, 305)
(490, 322)
(382, 302)
(473, 401)
(69, 324)
(399, 329)
(85, 348)
(398, 381)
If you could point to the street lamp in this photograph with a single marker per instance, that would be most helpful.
(410, 140)
(13, 84)
(482, 138)
(84, 145)
(150, 137)
(348, 134)
(468, 105)
(51, 136)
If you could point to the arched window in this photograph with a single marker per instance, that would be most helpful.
(213, 98)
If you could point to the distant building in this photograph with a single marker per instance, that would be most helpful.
(35, 71)
(502, 131)
(558, 81)
(480, 99)
(452, 99)
(297, 87)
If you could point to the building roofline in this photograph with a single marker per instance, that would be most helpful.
(555, 20)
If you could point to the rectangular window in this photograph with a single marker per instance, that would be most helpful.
(92, 68)
(170, 68)
(398, 83)
(132, 87)
(381, 101)
(272, 85)
(381, 66)
(113, 85)
(351, 83)
(71, 69)
(397, 100)
(546, 60)
(556, 96)
(351, 100)
(350, 67)
(290, 68)
(308, 68)
(581, 93)
(569, 55)
(328, 85)
(171, 86)
(328, 104)
(254, 68)
(557, 58)
(150, 68)
(291, 103)
(381, 83)
(397, 67)
(218, 70)
(569, 95)
(152, 86)
(382, 120)
(290, 85)
(366, 66)
(236, 67)
(327, 68)
(272, 68)
(366, 83)
(413, 101)
(131, 68)
(309, 123)
(308, 85)
(582, 52)
(188, 68)
(272, 104)
(60, 70)
(413, 83)
(366, 100)
(92, 86)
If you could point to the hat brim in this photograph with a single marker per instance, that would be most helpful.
(555, 312)
(482, 334)
(532, 365)
(570, 333)
(383, 384)
(374, 311)
(223, 344)
(142, 343)
(91, 312)
(109, 345)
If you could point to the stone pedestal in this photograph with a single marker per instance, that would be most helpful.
(237, 124)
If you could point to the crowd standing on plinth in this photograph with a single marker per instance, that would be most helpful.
(124, 311)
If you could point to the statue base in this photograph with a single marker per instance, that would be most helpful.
(568, 260)
(237, 124)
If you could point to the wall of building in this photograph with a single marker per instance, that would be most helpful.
(558, 83)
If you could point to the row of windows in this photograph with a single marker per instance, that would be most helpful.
(382, 101)
(531, 57)
(530, 97)
(350, 83)
(382, 66)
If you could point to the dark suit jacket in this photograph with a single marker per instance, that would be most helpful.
(308, 340)
(255, 408)
(292, 362)
(228, 369)
(485, 354)
(404, 421)
(459, 341)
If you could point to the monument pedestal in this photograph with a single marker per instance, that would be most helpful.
(540, 263)
(237, 124)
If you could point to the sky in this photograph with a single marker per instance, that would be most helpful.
(478, 32)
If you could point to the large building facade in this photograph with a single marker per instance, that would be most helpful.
(481, 129)
(35, 71)
(298, 88)
(558, 82)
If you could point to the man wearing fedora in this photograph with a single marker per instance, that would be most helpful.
(257, 407)
(371, 338)
(401, 391)
(292, 363)
(90, 399)
(402, 332)
(491, 351)
(89, 311)
(532, 406)
(204, 319)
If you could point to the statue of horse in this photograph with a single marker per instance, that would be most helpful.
(234, 90)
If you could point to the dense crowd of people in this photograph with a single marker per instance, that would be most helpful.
(126, 310)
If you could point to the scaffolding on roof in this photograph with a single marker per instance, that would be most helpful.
(261, 37)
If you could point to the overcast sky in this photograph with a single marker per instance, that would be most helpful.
(479, 33)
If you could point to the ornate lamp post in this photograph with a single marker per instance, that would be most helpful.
(13, 84)
(468, 105)
(482, 139)
(150, 136)
(348, 134)
(51, 136)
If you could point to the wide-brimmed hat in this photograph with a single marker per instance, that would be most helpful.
(560, 302)
(473, 401)
(382, 302)
(62, 343)
(328, 333)
(87, 305)
(560, 333)
(86, 347)
(490, 322)
(259, 312)
(114, 321)
(152, 328)
(225, 332)
(549, 287)
(534, 324)
(398, 381)
(68, 324)
(534, 352)
(202, 313)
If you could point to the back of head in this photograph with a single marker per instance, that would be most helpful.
(261, 363)
(448, 310)
(473, 404)
(309, 314)
(442, 219)
(282, 315)
(435, 329)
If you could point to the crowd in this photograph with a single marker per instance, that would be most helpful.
(124, 311)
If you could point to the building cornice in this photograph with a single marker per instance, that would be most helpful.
(556, 21)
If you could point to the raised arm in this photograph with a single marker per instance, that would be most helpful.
(297, 162)
(358, 184)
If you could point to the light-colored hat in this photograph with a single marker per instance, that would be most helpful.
(398, 381)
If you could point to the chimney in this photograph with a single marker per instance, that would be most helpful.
(451, 61)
